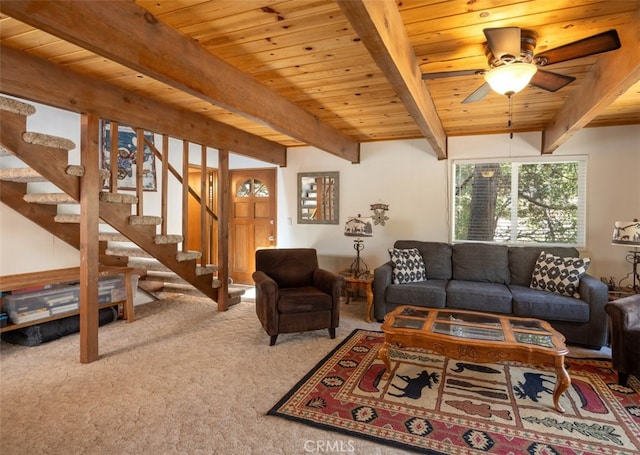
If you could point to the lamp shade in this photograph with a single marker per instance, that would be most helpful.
(510, 79)
(358, 226)
(626, 233)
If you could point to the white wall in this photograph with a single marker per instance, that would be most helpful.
(403, 174)
(407, 176)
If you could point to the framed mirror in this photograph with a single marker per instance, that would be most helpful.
(318, 197)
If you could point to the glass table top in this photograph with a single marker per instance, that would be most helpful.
(474, 326)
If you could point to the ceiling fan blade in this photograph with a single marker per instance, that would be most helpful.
(549, 81)
(478, 95)
(503, 40)
(451, 74)
(596, 44)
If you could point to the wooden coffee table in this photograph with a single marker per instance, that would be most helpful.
(477, 337)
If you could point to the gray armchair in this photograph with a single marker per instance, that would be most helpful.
(293, 294)
(625, 336)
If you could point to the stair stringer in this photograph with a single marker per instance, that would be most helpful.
(50, 162)
(11, 194)
(143, 236)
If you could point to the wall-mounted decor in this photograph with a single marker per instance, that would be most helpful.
(379, 216)
(318, 198)
(128, 157)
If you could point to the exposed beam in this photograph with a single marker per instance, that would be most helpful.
(612, 75)
(381, 29)
(128, 34)
(32, 78)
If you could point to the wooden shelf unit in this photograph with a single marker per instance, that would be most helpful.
(26, 280)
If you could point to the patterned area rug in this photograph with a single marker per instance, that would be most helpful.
(438, 405)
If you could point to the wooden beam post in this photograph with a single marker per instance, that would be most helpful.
(89, 252)
(223, 228)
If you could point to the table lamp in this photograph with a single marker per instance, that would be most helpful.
(358, 226)
(627, 233)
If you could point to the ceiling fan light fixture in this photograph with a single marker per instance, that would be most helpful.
(510, 79)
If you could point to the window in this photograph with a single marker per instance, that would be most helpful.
(252, 187)
(520, 202)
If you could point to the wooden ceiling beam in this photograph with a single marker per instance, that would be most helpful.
(130, 35)
(612, 75)
(32, 78)
(380, 27)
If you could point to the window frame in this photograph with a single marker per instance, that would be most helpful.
(581, 160)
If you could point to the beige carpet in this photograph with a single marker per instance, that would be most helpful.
(181, 379)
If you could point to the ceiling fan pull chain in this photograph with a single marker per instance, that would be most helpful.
(510, 116)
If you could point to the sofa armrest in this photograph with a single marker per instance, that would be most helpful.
(382, 278)
(595, 293)
(329, 283)
(264, 283)
(625, 312)
(266, 298)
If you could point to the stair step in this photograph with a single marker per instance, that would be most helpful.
(71, 219)
(143, 264)
(15, 106)
(49, 198)
(112, 237)
(118, 198)
(167, 239)
(182, 256)
(47, 140)
(21, 174)
(145, 220)
(157, 266)
(165, 277)
(125, 251)
(78, 171)
(204, 270)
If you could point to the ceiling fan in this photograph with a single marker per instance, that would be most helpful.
(511, 58)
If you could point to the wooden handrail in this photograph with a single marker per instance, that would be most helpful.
(175, 173)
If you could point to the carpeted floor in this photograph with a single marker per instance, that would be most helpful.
(182, 379)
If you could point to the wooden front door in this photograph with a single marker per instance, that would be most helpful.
(252, 219)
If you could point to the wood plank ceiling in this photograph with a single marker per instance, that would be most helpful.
(325, 82)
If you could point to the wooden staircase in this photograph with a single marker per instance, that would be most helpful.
(46, 158)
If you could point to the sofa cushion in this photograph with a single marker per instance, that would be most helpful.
(430, 293)
(408, 266)
(549, 306)
(478, 296)
(481, 262)
(522, 260)
(559, 274)
(436, 257)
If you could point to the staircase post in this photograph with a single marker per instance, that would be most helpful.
(89, 246)
(223, 229)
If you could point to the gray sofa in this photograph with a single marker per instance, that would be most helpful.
(496, 279)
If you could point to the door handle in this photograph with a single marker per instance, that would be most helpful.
(271, 238)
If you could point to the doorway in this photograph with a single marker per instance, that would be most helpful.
(252, 219)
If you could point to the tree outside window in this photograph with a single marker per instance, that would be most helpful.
(520, 202)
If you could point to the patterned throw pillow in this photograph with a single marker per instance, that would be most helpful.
(408, 265)
(560, 275)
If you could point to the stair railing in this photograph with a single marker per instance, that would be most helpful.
(206, 214)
